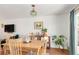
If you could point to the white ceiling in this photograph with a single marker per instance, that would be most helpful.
(12, 11)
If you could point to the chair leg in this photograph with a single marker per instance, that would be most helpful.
(1, 51)
(5, 52)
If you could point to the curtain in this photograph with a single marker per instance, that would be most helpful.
(72, 33)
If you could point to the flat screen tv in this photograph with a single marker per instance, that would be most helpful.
(9, 28)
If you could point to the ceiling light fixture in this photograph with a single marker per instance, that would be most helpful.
(33, 11)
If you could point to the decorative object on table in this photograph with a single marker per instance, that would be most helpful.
(38, 25)
(27, 40)
(16, 36)
(33, 11)
(59, 40)
(31, 35)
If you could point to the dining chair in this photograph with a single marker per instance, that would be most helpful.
(15, 47)
(5, 47)
(1, 50)
(43, 48)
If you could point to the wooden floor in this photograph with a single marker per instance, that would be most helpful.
(56, 51)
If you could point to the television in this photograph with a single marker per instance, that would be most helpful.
(9, 28)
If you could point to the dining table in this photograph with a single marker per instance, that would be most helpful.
(33, 44)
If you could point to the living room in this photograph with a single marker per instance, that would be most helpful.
(53, 17)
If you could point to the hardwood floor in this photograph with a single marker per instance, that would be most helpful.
(56, 51)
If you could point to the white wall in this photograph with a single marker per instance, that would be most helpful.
(26, 25)
(64, 27)
(56, 24)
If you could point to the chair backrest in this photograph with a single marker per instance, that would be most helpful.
(44, 45)
(15, 47)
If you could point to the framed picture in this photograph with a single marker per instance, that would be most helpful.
(38, 25)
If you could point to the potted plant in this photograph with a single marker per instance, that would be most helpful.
(59, 40)
(44, 29)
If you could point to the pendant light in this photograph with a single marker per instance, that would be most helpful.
(33, 11)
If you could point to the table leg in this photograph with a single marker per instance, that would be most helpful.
(38, 51)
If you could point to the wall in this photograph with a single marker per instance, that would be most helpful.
(26, 25)
(64, 27)
(56, 24)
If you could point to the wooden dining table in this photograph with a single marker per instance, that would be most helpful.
(34, 44)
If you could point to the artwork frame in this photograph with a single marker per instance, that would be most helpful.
(38, 24)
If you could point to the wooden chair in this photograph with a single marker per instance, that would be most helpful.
(1, 50)
(5, 47)
(15, 47)
(43, 48)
